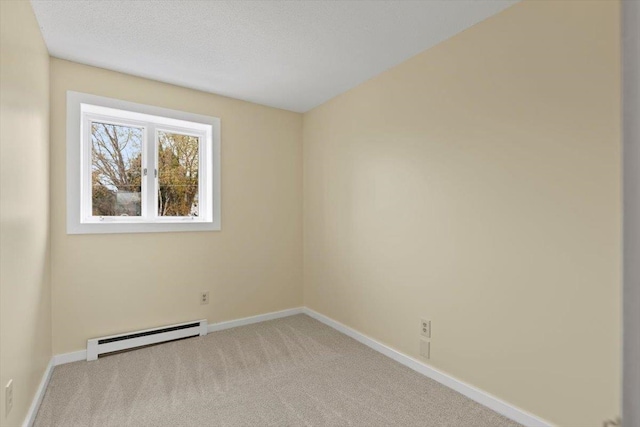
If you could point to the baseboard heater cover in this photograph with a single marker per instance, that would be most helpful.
(97, 346)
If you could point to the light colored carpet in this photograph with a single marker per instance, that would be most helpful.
(293, 371)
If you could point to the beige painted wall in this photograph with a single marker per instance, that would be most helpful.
(25, 290)
(105, 284)
(478, 185)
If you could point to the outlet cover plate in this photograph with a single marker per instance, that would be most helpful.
(425, 328)
(204, 297)
(425, 349)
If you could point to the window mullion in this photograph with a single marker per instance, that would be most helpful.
(150, 181)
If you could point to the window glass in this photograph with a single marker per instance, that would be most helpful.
(116, 169)
(178, 163)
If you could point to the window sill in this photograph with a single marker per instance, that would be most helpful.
(148, 227)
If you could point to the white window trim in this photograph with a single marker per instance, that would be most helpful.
(78, 222)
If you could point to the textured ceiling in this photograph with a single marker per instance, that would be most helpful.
(288, 54)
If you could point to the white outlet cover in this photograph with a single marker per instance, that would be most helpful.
(425, 349)
(425, 328)
(204, 297)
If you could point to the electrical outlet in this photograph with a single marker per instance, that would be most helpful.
(425, 349)
(425, 328)
(8, 395)
(204, 297)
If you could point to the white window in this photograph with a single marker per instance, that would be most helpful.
(135, 168)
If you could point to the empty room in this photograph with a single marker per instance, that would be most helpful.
(320, 213)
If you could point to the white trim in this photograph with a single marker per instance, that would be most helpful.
(630, 19)
(473, 393)
(74, 356)
(213, 327)
(209, 184)
(37, 398)
(81, 355)
(500, 406)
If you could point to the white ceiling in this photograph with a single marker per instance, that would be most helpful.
(287, 54)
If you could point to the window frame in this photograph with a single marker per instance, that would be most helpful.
(83, 109)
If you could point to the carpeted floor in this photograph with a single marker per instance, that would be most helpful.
(293, 371)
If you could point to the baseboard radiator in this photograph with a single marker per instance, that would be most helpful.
(110, 344)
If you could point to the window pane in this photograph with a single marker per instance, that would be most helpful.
(177, 174)
(116, 169)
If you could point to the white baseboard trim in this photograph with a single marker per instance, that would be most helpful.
(37, 398)
(213, 327)
(512, 412)
(76, 356)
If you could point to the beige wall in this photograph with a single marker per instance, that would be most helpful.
(105, 284)
(478, 185)
(25, 291)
